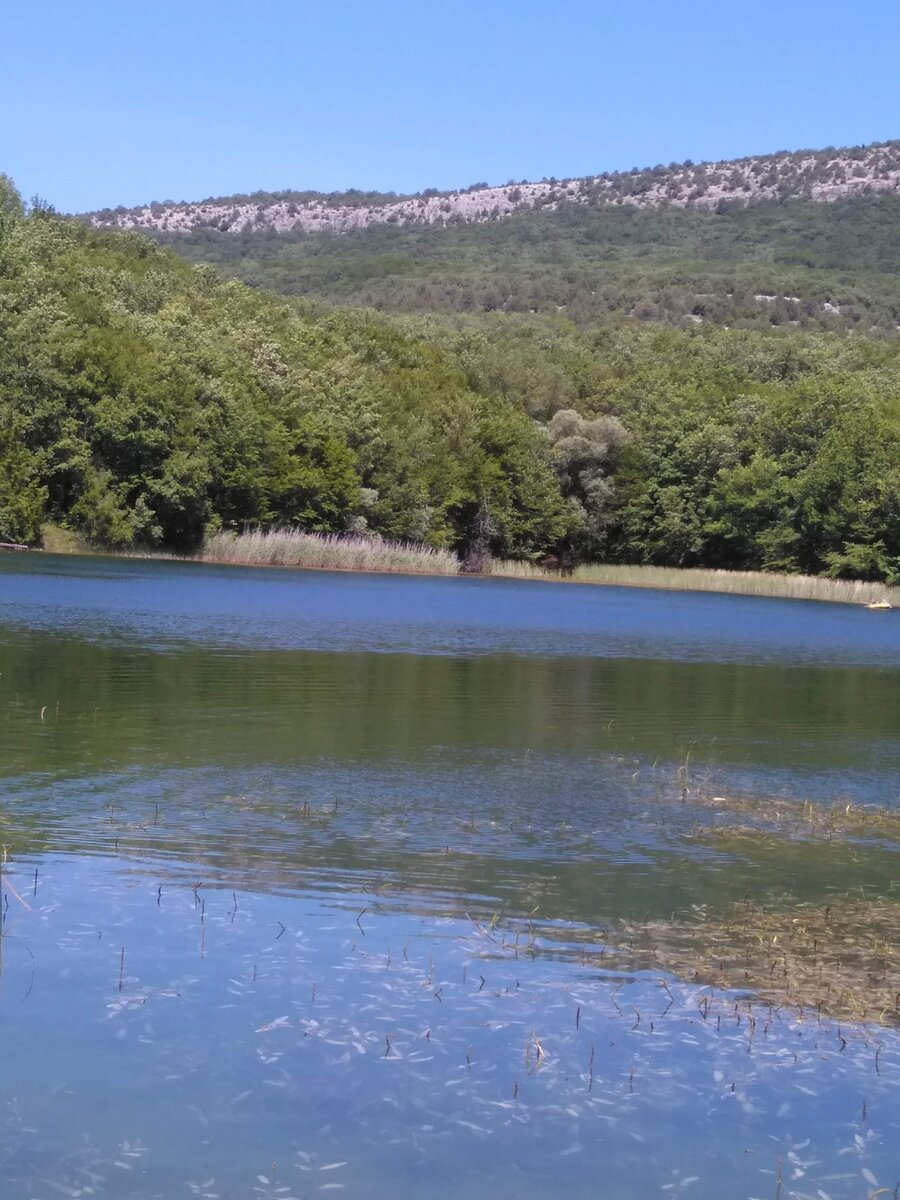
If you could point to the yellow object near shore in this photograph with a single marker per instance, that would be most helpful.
(879, 604)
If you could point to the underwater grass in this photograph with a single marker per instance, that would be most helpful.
(836, 955)
(840, 956)
(791, 818)
(840, 959)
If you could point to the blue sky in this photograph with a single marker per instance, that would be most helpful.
(105, 103)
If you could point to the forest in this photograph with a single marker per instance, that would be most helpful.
(147, 401)
(795, 264)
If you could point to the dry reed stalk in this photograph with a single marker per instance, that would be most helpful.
(744, 583)
(292, 548)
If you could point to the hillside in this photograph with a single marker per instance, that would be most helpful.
(827, 267)
(820, 175)
(751, 244)
(147, 402)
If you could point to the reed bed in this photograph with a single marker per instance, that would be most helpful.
(353, 552)
(687, 579)
(292, 548)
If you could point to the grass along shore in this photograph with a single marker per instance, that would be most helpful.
(704, 579)
(326, 552)
(333, 552)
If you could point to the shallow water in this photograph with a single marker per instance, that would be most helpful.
(310, 881)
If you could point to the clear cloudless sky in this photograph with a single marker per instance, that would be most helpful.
(106, 102)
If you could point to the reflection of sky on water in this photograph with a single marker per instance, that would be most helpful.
(162, 604)
(221, 1049)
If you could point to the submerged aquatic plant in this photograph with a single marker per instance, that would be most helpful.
(840, 959)
(789, 817)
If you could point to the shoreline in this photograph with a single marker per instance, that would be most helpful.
(710, 581)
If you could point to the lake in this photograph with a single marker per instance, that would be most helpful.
(390, 886)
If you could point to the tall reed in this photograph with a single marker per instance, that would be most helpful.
(351, 552)
(745, 583)
(292, 548)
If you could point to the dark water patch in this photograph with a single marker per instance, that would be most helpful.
(165, 604)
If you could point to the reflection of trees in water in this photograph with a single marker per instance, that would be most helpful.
(119, 705)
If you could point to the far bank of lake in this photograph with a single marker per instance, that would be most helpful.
(292, 548)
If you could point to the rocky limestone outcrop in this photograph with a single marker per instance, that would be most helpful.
(822, 175)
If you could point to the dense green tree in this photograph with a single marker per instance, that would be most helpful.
(585, 455)
(150, 401)
(22, 493)
(145, 401)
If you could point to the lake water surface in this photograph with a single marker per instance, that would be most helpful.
(318, 882)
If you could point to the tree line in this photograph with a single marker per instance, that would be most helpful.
(145, 401)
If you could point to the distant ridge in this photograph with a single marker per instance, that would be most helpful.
(818, 175)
